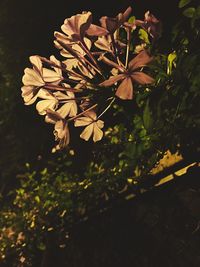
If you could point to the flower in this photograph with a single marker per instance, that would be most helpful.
(36, 78)
(130, 75)
(112, 24)
(94, 126)
(61, 130)
(49, 102)
(76, 27)
(69, 108)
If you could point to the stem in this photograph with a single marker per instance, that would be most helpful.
(110, 104)
(128, 46)
(60, 88)
(87, 51)
(80, 114)
(115, 48)
(111, 63)
(51, 63)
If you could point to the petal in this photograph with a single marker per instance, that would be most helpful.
(142, 78)
(43, 105)
(50, 76)
(32, 77)
(82, 121)
(112, 80)
(111, 24)
(77, 25)
(29, 94)
(37, 63)
(44, 94)
(125, 89)
(70, 63)
(103, 43)
(65, 109)
(73, 110)
(100, 123)
(57, 62)
(97, 134)
(95, 30)
(141, 60)
(87, 132)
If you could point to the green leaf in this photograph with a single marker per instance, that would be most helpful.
(131, 19)
(37, 199)
(147, 117)
(171, 62)
(183, 3)
(189, 12)
(143, 35)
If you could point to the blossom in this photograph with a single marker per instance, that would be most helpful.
(61, 130)
(77, 26)
(112, 24)
(94, 126)
(130, 75)
(69, 108)
(49, 102)
(36, 78)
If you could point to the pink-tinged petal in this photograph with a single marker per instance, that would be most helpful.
(125, 89)
(31, 77)
(141, 60)
(51, 76)
(127, 13)
(111, 24)
(76, 26)
(112, 80)
(36, 62)
(142, 78)
(97, 134)
(104, 43)
(82, 121)
(43, 105)
(95, 30)
(87, 132)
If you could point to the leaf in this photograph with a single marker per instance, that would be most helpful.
(189, 12)
(147, 117)
(143, 35)
(183, 3)
(131, 19)
(171, 62)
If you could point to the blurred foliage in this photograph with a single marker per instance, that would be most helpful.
(86, 177)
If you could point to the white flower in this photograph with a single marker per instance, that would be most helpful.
(49, 102)
(36, 78)
(69, 108)
(94, 126)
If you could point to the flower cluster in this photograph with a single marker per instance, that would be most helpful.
(94, 57)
